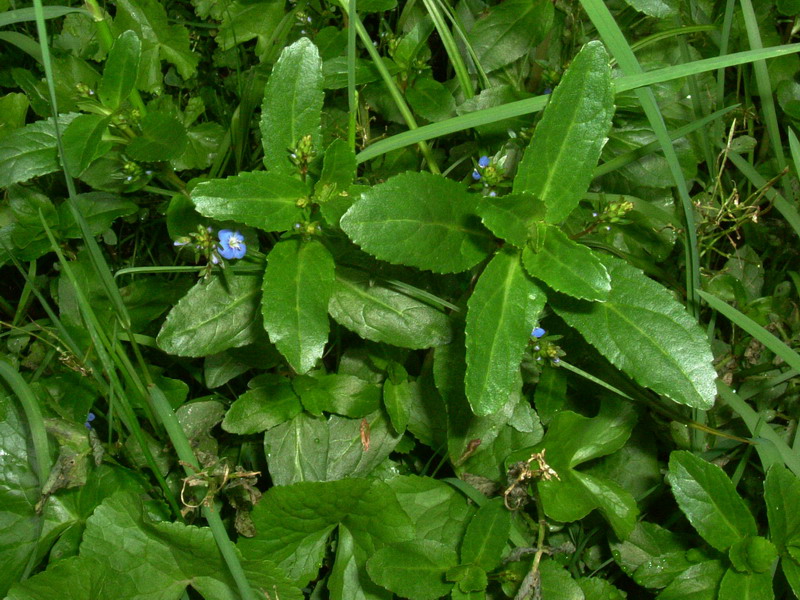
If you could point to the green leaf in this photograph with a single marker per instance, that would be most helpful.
(596, 588)
(297, 450)
(121, 70)
(203, 144)
(82, 141)
(644, 332)
(431, 100)
(654, 8)
(414, 569)
(294, 522)
(98, 208)
(19, 492)
(746, 586)
(213, 316)
(753, 554)
(557, 583)
(292, 105)
(396, 390)
(487, 535)
(243, 21)
(259, 199)
(269, 403)
(709, 500)
(31, 151)
(421, 220)
(438, 511)
(348, 452)
(380, 313)
(571, 440)
(651, 555)
(782, 496)
(337, 393)
(13, 109)
(338, 171)
(298, 284)
(559, 162)
(163, 138)
(511, 217)
(566, 266)
(500, 315)
(345, 581)
(160, 40)
(698, 582)
(509, 31)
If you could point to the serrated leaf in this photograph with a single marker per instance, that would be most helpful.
(431, 100)
(348, 454)
(649, 553)
(557, 583)
(566, 266)
(31, 151)
(746, 586)
(511, 217)
(82, 141)
(243, 21)
(297, 450)
(509, 31)
(709, 500)
(259, 199)
(298, 283)
(121, 70)
(647, 334)
(267, 405)
(382, 314)
(501, 312)
(163, 138)
(294, 523)
(487, 535)
(292, 105)
(414, 569)
(98, 208)
(213, 317)
(559, 162)
(421, 220)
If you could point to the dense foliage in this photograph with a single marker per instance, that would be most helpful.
(354, 299)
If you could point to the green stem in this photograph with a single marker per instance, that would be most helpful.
(182, 446)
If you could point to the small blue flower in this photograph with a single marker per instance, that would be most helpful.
(547, 91)
(475, 175)
(537, 332)
(231, 244)
(89, 418)
(483, 162)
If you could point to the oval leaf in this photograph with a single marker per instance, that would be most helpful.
(558, 163)
(292, 105)
(709, 500)
(500, 314)
(213, 317)
(163, 137)
(297, 288)
(259, 199)
(382, 314)
(647, 334)
(564, 265)
(413, 570)
(122, 67)
(421, 220)
(82, 141)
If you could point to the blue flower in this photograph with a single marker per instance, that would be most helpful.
(89, 418)
(538, 332)
(483, 162)
(475, 175)
(231, 244)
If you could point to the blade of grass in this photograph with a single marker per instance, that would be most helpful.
(615, 40)
(458, 27)
(352, 100)
(451, 48)
(763, 83)
(727, 23)
(21, 15)
(532, 105)
(741, 320)
(785, 207)
(761, 431)
(33, 414)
